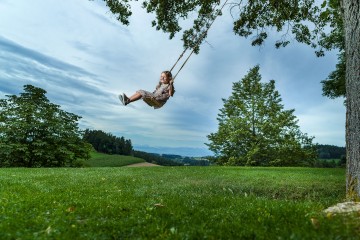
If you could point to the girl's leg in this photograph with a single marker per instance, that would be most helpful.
(135, 97)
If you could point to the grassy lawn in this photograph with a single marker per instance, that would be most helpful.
(106, 160)
(173, 203)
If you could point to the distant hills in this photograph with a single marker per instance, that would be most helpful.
(182, 151)
(325, 151)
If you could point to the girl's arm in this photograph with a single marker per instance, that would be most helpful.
(164, 96)
(171, 88)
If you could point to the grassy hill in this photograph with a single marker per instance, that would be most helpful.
(105, 160)
(173, 203)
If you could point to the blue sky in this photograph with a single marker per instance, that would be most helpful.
(78, 52)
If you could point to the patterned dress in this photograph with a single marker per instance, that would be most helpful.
(157, 98)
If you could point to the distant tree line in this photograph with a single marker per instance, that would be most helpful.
(155, 158)
(330, 156)
(171, 156)
(189, 161)
(195, 162)
(330, 151)
(330, 163)
(108, 143)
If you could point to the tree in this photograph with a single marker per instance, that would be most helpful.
(334, 85)
(352, 52)
(306, 21)
(255, 130)
(37, 133)
(251, 19)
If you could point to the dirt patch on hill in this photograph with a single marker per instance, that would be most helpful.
(143, 164)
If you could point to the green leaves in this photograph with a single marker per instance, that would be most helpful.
(37, 133)
(168, 15)
(334, 85)
(305, 20)
(121, 9)
(108, 143)
(254, 129)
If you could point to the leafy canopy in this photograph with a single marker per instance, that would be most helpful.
(255, 130)
(36, 133)
(334, 85)
(304, 20)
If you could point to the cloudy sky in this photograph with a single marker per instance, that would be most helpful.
(78, 52)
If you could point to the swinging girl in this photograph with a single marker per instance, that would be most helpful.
(164, 90)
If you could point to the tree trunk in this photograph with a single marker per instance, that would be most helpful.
(351, 10)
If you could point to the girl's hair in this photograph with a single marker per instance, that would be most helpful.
(169, 76)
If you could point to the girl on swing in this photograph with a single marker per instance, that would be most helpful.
(156, 99)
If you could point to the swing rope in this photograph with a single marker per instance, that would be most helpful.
(202, 36)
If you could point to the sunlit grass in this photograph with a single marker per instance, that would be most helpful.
(172, 203)
(106, 160)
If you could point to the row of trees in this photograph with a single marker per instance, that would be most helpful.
(330, 163)
(330, 151)
(188, 161)
(155, 158)
(330, 156)
(253, 130)
(108, 143)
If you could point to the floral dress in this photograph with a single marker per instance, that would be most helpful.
(157, 98)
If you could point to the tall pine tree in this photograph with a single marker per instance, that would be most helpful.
(255, 130)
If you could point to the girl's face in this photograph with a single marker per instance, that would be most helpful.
(164, 78)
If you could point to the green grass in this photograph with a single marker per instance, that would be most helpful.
(173, 203)
(106, 160)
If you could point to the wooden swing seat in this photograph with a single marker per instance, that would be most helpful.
(152, 102)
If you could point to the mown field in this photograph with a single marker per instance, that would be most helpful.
(105, 160)
(173, 203)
